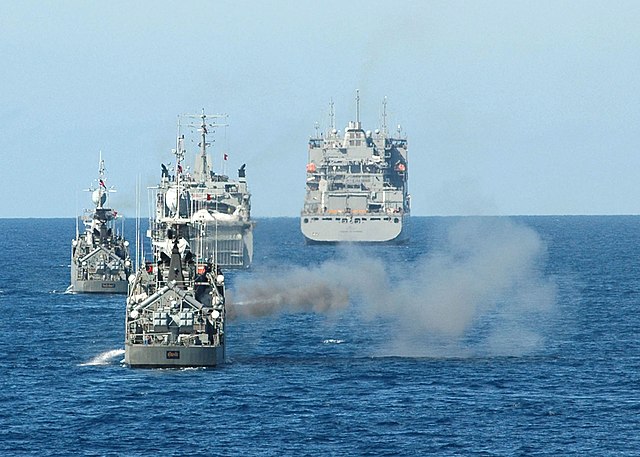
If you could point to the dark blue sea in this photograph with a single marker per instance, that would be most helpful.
(479, 337)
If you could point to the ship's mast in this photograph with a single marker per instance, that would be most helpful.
(203, 142)
(384, 116)
(358, 126)
(101, 191)
(202, 167)
(179, 153)
(180, 150)
(332, 117)
(101, 183)
(101, 167)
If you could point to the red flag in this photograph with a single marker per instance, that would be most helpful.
(226, 156)
(102, 184)
(179, 168)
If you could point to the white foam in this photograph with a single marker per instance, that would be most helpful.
(104, 358)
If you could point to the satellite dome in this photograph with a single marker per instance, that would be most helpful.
(172, 199)
(99, 197)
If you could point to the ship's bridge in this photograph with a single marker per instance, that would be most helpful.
(354, 135)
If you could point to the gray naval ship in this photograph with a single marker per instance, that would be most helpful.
(175, 311)
(100, 261)
(356, 188)
(222, 204)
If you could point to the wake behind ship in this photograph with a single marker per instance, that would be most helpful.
(356, 188)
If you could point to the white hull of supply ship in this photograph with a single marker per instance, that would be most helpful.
(363, 228)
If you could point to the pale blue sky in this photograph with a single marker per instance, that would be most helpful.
(510, 107)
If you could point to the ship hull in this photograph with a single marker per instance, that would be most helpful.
(232, 244)
(228, 244)
(95, 286)
(99, 287)
(172, 356)
(366, 228)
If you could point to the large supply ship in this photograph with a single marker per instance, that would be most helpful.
(175, 312)
(223, 203)
(356, 189)
(100, 260)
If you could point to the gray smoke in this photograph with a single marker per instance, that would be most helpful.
(315, 289)
(481, 292)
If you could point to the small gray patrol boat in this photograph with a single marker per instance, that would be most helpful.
(356, 189)
(175, 311)
(100, 261)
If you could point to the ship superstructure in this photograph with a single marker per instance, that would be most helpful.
(223, 204)
(356, 188)
(100, 261)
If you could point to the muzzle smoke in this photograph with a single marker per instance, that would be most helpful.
(481, 292)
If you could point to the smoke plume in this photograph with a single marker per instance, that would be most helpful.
(480, 292)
